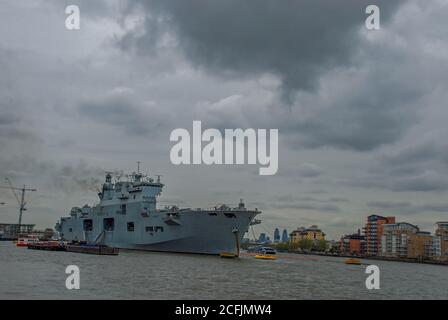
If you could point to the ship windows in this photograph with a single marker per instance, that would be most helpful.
(212, 213)
(230, 215)
(87, 225)
(152, 229)
(108, 224)
(70, 230)
(131, 226)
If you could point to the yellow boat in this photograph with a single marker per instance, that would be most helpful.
(228, 255)
(265, 257)
(353, 261)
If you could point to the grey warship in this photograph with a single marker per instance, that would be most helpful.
(127, 217)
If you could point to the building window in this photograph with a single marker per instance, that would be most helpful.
(130, 226)
(108, 224)
(123, 209)
(70, 230)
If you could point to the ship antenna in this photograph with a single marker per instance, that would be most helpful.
(138, 166)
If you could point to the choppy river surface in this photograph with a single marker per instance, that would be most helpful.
(30, 274)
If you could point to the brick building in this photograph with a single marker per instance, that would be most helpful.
(373, 231)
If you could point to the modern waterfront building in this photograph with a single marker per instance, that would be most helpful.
(285, 237)
(312, 233)
(405, 240)
(10, 231)
(262, 238)
(353, 244)
(276, 235)
(440, 241)
(373, 231)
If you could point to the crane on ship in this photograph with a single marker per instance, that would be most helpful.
(21, 200)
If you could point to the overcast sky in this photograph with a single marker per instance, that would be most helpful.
(361, 113)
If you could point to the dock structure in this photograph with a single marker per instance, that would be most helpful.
(11, 231)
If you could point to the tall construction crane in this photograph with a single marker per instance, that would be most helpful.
(20, 201)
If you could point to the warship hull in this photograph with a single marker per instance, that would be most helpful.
(192, 232)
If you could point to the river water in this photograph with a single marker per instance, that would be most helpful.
(31, 274)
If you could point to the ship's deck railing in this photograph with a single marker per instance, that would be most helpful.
(212, 209)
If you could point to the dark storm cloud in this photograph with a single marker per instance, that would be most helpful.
(306, 44)
(360, 120)
(295, 40)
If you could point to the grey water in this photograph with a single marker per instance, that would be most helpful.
(34, 274)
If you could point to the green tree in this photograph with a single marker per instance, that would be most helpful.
(306, 244)
(321, 245)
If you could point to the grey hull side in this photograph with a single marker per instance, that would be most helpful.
(201, 232)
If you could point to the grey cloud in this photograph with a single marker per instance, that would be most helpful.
(406, 207)
(388, 205)
(122, 109)
(309, 170)
(306, 203)
(419, 165)
(303, 206)
(422, 181)
(290, 198)
(65, 177)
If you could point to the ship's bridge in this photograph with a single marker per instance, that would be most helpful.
(138, 187)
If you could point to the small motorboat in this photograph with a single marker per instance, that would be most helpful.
(25, 241)
(265, 257)
(267, 251)
(228, 255)
(353, 261)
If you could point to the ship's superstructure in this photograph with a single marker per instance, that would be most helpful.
(127, 217)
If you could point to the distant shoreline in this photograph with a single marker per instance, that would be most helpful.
(407, 260)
